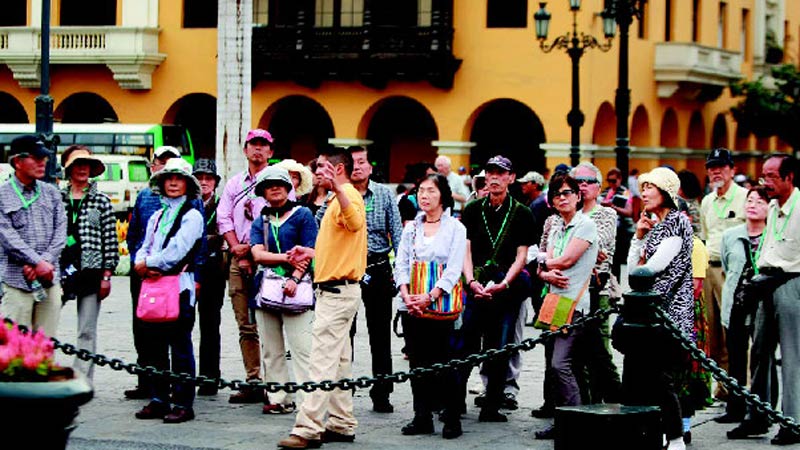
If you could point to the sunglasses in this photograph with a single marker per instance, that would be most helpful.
(564, 193)
(587, 180)
(612, 180)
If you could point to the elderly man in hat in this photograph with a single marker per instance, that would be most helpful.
(147, 203)
(722, 208)
(213, 291)
(498, 233)
(33, 231)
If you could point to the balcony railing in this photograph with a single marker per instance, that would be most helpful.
(694, 71)
(131, 53)
(373, 55)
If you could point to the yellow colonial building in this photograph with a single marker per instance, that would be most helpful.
(412, 78)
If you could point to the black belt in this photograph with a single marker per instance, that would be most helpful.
(334, 283)
(377, 258)
(715, 263)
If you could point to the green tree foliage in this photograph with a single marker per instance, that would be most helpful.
(770, 105)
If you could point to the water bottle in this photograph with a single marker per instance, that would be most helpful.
(39, 294)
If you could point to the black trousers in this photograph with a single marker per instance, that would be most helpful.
(143, 382)
(209, 307)
(428, 342)
(377, 294)
(597, 374)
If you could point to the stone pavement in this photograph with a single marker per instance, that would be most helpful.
(107, 422)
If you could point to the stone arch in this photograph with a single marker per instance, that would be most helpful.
(605, 126)
(669, 129)
(402, 131)
(11, 110)
(300, 125)
(511, 128)
(640, 128)
(197, 112)
(719, 132)
(696, 138)
(85, 107)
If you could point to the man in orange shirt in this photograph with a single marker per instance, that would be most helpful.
(341, 261)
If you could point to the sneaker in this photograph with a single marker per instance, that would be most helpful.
(785, 437)
(747, 430)
(278, 408)
(153, 410)
(295, 441)
(509, 402)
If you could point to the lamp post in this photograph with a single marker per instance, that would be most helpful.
(44, 102)
(623, 12)
(575, 44)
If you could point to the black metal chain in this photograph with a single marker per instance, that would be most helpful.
(717, 372)
(329, 385)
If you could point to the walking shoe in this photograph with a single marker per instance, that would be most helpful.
(728, 418)
(278, 408)
(748, 429)
(247, 395)
(509, 402)
(179, 415)
(137, 393)
(548, 433)
(452, 429)
(207, 390)
(382, 406)
(544, 412)
(295, 441)
(334, 436)
(418, 426)
(785, 436)
(153, 410)
(488, 415)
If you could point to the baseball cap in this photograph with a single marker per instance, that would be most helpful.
(533, 177)
(562, 168)
(258, 133)
(719, 157)
(500, 161)
(166, 151)
(28, 145)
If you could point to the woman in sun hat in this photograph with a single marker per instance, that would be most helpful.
(91, 253)
(302, 178)
(663, 242)
(281, 227)
(173, 237)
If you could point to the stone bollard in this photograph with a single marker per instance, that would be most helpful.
(634, 424)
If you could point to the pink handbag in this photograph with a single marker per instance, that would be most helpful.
(159, 299)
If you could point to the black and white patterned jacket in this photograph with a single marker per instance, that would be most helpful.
(96, 229)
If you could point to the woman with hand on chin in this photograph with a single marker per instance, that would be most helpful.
(91, 254)
(663, 243)
(433, 236)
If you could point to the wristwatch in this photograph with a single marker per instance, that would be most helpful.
(106, 278)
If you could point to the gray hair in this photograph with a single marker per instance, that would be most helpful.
(445, 159)
(589, 166)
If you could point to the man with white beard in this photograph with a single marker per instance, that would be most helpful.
(721, 209)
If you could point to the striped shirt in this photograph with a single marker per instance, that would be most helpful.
(29, 235)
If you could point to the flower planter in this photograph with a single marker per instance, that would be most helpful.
(41, 414)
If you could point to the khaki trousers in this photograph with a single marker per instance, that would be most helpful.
(20, 307)
(331, 355)
(273, 328)
(712, 290)
(238, 286)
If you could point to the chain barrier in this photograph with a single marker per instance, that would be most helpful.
(329, 385)
(734, 388)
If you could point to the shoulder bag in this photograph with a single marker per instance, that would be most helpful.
(558, 310)
(424, 275)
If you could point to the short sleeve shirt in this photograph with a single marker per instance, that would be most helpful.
(580, 227)
(485, 223)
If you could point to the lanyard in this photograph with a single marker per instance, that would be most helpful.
(721, 213)
(214, 213)
(754, 256)
(76, 212)
(486, 224)
(166, 223)
(594, 210)
(250, 189)
(369, 206)
(25, 202)
(779, 234)
(275, 227)
(561, 244)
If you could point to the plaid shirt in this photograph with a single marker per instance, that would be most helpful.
(97, 229)
(384, 227)
(29, 235)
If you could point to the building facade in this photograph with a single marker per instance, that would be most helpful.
(412, 79)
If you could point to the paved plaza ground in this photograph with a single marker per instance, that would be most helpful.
(107, 422)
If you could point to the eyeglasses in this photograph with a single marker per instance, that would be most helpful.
(564, 193)
(612, 180)
(587, 180)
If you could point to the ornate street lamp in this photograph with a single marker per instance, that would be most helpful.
(43, 101)
(575, 44)
(623, 12)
